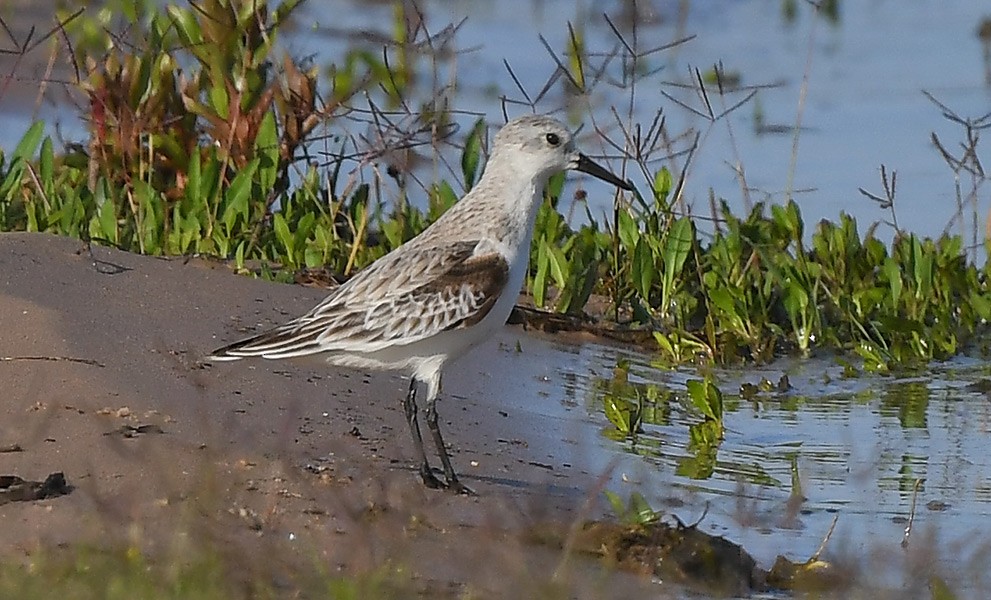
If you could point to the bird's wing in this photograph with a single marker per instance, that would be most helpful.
(404, 297)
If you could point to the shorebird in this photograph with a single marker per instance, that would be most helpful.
(438, 295)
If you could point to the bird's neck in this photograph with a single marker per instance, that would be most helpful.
(500, 207)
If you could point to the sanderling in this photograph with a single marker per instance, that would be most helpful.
(441, 293)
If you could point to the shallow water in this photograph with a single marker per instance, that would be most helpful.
(864, 105)
(856, 446)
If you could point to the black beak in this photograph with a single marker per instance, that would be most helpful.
(587, 165)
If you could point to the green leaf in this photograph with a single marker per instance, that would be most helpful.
(219, 100)
(193, 192)
(796, 299)
(239, 255)
(442, 198)
(238, 194)
(267, 149)
(46, 167)
(706, 397)
(677, 246)
(923, 263)
(618, 412)
(540, 277)
(643, 268)
(723, 299)
(981, 305)
(304, 229)
(186, 24)
(471, 157)
(554, 186)
(558, 265)
(640, 510)
(19, 158)
(894, 275)
(108, 222)
(629, 231)
(29, 143)
(662, 184)
(282, 234)
(616, 503)
(149, 224)
(940, 590)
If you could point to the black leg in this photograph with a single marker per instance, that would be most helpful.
(453, 483)
(409, 406)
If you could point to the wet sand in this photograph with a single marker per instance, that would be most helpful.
(286, 464)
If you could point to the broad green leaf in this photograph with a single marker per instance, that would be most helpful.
(629, 231)
(108, 222)
(471, 156)
(894, 275)
(981, 305)
(558, 265)
(19, 158)
(186, 24)
(267, 149)
(304, 229)
(723, 300)
(677, 246)
(643, 268)
(29, 143)
(282, 234)
(619, 509)
(706, 397)
(617, 412)
(796, 300)
(238, 194)
(555, 185)
(442, 198)
(219, 101)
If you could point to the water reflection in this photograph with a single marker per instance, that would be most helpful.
(908, 401)
(791, 460)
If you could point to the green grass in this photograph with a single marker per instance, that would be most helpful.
(81, 572)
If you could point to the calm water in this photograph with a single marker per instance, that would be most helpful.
(855, 446)
(864, 105)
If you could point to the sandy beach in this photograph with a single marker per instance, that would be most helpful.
(291, 464)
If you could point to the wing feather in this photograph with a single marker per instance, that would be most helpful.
(406, 296)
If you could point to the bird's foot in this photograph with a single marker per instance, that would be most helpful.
(455, 486)
(430, 480)
(452, 485)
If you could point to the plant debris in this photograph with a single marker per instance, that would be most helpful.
(132, 431)
(16, 489)
(687, 555)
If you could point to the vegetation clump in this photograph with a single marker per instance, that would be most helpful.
(200, 143)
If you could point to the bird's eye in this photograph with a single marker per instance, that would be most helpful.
(553, 139)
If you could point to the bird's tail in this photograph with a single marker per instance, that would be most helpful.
(286, 341)
(253, 346)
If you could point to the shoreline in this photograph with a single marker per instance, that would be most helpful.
(308, 455)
